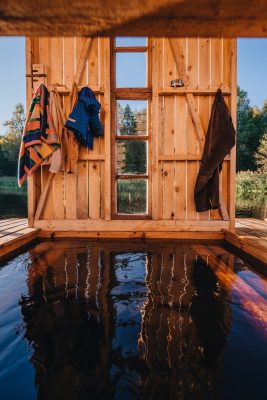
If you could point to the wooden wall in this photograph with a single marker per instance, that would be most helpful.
(180, 118)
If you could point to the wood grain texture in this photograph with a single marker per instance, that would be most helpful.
(153, 17)
(178, 117)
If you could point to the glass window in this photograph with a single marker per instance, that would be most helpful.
(125, 41)
(131, 70)
(131, 118)
(132, 196)
(131, 157)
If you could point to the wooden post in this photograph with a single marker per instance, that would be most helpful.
(232, 194)
(31, 180)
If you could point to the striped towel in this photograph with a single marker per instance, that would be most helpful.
(39, 139)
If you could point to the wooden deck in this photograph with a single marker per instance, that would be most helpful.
(251, 237)
(14, 234)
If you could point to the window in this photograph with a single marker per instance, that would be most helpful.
(131, 103)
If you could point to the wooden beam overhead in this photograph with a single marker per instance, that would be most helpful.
(172, 18)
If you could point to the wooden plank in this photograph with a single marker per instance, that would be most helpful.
(194, 143)
(254, 220)
(71, 196)
(216, 79)
(81, 64)
(245, 231)
(13, 245)
(192, 66)
(180, 154)
(255, 229)
(198, 91)
(94, 190)
(59, 196)
(156, 117)
(56, 65)
(48, 179)
(79, 43)
(68, 78)
(168, 191)
(196, 120)
(252, 245)
(13, 228)
(216, 61)
(180, 190)
(82, 190)
(94, 63)
(131, 225)
(134, 235)
(192, 170)
(179, 55)
(10, 221)
(45, 205)
(101, 155)
(232, 194)
(107, 124)
(31, 182)
(14, 237)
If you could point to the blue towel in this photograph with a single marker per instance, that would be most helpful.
(84, 120)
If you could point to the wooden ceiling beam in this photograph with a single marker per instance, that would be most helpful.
(134, 17)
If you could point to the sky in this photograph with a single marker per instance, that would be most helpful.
(251, 58)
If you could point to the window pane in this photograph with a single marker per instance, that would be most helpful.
(131, 157)
(132, 196)
(131, 70)
(131, 117)
(128, 41)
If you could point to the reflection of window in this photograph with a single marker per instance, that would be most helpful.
(131, 132)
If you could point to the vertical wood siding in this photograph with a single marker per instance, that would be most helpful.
(175, 149)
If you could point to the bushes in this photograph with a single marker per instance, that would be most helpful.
(251, 186)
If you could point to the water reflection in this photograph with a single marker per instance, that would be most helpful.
(146, 324)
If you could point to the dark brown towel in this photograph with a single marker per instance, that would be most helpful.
(220, 138)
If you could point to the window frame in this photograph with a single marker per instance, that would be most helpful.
(130, 94)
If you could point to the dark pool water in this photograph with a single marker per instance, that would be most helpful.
(92, 320)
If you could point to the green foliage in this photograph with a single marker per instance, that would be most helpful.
(9, 184)
(131, 196)
(251, 186)
(10, 142)
(135, 151)
(251, 126)
(261, 155)
(128, 121)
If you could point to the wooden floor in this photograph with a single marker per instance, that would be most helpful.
(14, 234)
(250, 236)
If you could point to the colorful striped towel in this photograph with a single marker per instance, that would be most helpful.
(39, 139)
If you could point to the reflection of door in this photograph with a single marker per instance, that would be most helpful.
(131, 133)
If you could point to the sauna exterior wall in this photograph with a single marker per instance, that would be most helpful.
(83, 201)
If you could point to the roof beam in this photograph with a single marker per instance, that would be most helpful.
(171, 18)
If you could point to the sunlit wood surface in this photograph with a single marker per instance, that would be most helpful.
(250, 236)
(14, 233)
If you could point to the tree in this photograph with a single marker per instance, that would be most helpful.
(135, 150)
(251, 125)
(261, 155)
(10, 142)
